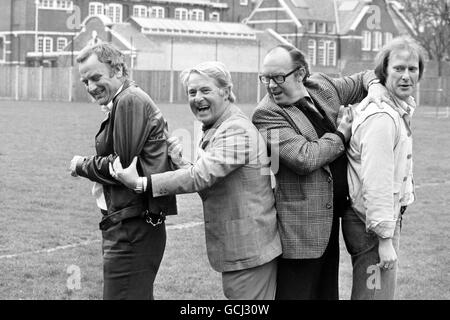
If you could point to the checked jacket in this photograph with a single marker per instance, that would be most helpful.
(304, 184)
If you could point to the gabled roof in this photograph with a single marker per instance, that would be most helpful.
(131, 37)
(346, 14)
(350, 13)
(193, 28)
(209, 3)
(400, 21)
(318, 10)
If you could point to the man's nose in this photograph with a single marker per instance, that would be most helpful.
(198, 96)
(91, 86)
(406, 75)
(272, 83)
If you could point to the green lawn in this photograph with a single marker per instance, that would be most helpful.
(43, 207)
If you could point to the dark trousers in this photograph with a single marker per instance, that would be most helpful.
(311, 279)
(132, 253)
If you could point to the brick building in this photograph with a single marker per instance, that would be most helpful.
(32, 32)
(171, 44)
(33, 26)
(338, 36)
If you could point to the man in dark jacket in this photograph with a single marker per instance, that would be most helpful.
(133, 228)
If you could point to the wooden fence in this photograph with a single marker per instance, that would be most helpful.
(63, 84)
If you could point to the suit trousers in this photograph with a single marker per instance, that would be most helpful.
(258, 283)
(132, 253)
(311, 279)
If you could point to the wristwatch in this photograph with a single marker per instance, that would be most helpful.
(139, 185)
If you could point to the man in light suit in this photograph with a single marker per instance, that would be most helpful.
(298, 116)
(232, 176)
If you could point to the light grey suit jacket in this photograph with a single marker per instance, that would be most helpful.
(231, 174)
(304, 191)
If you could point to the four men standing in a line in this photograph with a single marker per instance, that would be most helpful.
(299, 117)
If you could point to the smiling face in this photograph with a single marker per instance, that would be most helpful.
(207, 101)
(100, 81)
(279, 62)
(402, 73)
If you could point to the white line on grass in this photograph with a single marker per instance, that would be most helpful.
(88, 242)
(170, 227)
(432, 184)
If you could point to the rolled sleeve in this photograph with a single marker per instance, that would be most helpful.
(377, 138)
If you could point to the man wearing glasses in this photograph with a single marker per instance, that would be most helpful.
(299, 117)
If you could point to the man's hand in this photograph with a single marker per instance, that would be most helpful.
(345, 119)
(129, 176)
(388, 256)
(73, 165)
(175, 150)
(377, 94)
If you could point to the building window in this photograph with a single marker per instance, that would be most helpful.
(366, 40)
(214, 16)
(321, 53)
(63, 4)
(332, 28)
(157, 12)
(61, 43)
(197, 14)
(2, 49)
(312, 51)
(387, 37)
(96, 8)
(322, 27)
(331, 53)
(243, 2)
(311, 27)
(139, 11)
(45, 44)
(56, 4)
(377, 40)
(114, 12)
(181, 13)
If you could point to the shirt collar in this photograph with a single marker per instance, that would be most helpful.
(403, 107)
(108, 107)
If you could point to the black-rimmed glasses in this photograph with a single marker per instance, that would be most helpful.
(278, 79)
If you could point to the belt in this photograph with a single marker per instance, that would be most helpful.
(111, 219)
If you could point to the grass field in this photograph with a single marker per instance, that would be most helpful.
(49, 221)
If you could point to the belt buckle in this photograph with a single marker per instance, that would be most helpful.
(149, 219)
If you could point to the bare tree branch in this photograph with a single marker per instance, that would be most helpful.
(431, 21)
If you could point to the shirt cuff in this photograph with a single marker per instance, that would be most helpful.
(385, 229)
(79, 165)
(148, 185)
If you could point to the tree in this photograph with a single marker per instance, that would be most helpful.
(430, 20)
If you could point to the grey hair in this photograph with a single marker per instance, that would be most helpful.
(212, 69)
(107, 54)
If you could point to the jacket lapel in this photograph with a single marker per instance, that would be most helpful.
(302, 125)
(301, 122)
(210, 132)
(323, 102)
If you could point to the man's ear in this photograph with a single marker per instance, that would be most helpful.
(224, 92)
(301, 74)
(119, 73)
(116, 72)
